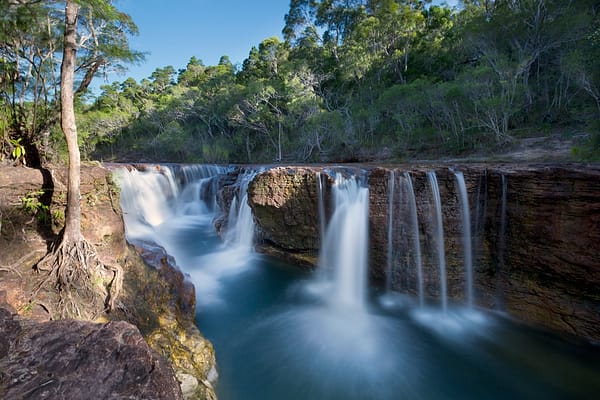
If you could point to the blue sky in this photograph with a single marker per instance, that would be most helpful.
(174, 31)
(171, 32)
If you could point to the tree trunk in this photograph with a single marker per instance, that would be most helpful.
(72, 229)
(73, 266)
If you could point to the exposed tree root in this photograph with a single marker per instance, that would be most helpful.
(114, 287)
(79, 277)
(14, 267)
(11, 270)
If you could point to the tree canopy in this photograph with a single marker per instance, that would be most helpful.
(31, 46)
(363, 80)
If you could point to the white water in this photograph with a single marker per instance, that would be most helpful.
(439, 237)
(501, 247)
(390, 231)
(321, 205)
(414, 222)
(344, 249)
(240, 226)
(466, 225)
(154, 197)
(170, 205)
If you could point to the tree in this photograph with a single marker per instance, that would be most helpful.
(30, 46)
(72, 262)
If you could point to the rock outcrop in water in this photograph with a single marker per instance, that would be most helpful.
(284, 204)
(535, 235)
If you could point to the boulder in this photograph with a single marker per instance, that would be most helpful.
(284, 204)
(70, 359)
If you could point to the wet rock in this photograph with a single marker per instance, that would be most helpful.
(162, 303)
(284, 204)
(69, 359)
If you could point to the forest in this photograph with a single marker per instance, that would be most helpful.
(349, 80)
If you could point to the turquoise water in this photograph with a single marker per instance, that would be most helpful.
(275, 338)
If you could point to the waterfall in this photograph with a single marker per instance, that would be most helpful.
(439, 237)
(466, 225)
(502, 230)
(157, 194)
(390, 231)
(240, 226)
(501, 246)
(480, 212)
(321, 205)
(345, 247)
(414, 222)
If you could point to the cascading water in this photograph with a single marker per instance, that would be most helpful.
(466, 225)
(170, 205)
(240, 226)
(156, 196)
(390, 231)
(321, 205)
(344, 248)
(439, 237)
(480, 212)
(272, 342)
(414, 222)
(501, 243)
(403, 238)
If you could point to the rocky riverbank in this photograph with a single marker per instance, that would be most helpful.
(157, 304)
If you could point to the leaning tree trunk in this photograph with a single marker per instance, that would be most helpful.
(72, 265)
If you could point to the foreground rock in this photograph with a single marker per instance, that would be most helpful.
(155, 297)
(161, 302)
(77, 360)
(536, 234)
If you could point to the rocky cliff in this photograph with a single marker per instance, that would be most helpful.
(535, 234)
(155, 298)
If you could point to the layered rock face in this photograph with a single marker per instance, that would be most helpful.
(284, 204)
(535, 234)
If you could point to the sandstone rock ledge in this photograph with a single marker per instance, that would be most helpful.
(77, 360)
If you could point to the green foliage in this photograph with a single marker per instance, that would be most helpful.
(31, 44)
(18, 152)
(357, 76)
(31, 204)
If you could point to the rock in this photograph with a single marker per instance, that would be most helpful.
(284, 204)
(161, 302)
(69, 359)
